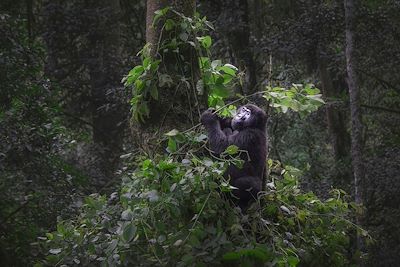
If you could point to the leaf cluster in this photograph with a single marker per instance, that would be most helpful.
(303, 99)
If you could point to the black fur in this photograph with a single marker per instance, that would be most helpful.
(248, 134)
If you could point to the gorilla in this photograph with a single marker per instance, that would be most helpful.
(247, 131)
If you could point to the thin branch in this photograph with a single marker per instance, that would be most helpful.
(381, 109)
(12, 214)
(386, 83)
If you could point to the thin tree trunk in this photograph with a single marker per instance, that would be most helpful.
(355, 104)
(152, 33)
(355, 114)
(335, 118)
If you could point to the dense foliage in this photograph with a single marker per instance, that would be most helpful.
(172, 211)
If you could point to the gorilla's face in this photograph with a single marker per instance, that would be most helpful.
(242, 119)
(249, 116)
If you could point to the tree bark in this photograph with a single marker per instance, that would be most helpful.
(152, 33)
(355, 104)
(335, 118)
(355, 115)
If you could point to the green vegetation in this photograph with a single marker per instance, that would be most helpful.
(172, 211)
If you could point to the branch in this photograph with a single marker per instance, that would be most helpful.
(76, 118)
(15, 212)
(381, 109)
(386, 83)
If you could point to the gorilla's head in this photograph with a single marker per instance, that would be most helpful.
(249, 116)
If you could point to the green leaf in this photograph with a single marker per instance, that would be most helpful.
(169, 24)
(204, 62)
(55, 251)
(154, 65)
(205, 41)
(317, 97)
(293, 261)
(232, 150)
(227, 78)
(160, 13)
(173, 132)
(127, 215)
(146, 63)
(52, 259)
(133, 75)
(231, 256)
(216, 63)
(200, 138)
(129, 232)
(154, 92)
(136, 70)
(187, 258)
(171, 145)
(219, 80)
(228, 70)
(49, 236)
(260, 254)
(220, 90)
(139, 85)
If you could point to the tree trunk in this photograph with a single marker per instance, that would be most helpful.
(355, 114)
(335, 117)
(178, 105)
(355, 104)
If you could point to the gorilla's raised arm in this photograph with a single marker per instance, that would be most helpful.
(219, 131)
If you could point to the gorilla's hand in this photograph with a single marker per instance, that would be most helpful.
(209, 117)
(225, 122)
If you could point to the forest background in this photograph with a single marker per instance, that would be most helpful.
(103, 160)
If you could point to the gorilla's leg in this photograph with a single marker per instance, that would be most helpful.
(247, 189)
